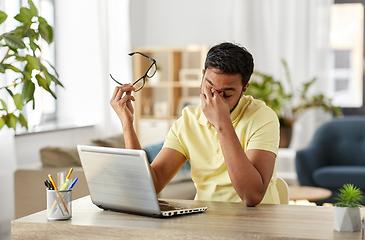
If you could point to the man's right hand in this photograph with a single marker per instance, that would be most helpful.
(122, 105)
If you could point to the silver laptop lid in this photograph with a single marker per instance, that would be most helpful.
(119, 179)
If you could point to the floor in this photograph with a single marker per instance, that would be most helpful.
(6, 203)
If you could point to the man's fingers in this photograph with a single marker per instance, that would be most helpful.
(120, 90)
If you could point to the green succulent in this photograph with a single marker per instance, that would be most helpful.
(349, 196)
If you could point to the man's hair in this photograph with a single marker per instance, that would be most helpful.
(230, 58)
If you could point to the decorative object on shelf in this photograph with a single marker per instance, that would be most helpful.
(288, 105)
(187, 101)
(160, 109)
(23, 56)
(188, 75)
(347, 216)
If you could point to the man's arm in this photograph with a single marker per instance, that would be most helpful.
(165, 166)
(250, 173)
(168, 162)
(122, 104)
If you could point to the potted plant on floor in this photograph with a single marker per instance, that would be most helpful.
(288, 104)
(347, 216)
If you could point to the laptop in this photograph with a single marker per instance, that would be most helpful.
(120, 180)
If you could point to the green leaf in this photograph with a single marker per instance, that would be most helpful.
(3, 67)
(3, 17)
(23, 121)
(10, 92)
(14, 68)
(2, 122)
(45, 30)
(5, 108)
(11, 121)
(28, 92)
(13, 42)
(18, 101)
(34, 46)
(50, 77)
(33, 9)
(32, 62)
(43, 83)
(24, 16)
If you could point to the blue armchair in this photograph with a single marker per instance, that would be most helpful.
(335, 156)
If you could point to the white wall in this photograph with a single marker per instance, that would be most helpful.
(179, 23)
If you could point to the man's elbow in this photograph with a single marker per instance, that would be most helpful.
(252, 200)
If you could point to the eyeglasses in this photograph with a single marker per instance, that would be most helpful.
(149, 73)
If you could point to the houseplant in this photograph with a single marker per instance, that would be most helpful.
(23, 56)
(288, 104)
(347, 216)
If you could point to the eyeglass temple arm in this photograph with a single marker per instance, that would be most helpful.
(132, 53)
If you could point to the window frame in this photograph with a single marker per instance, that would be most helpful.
(347, 111)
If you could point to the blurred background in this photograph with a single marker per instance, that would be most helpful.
(320, 39)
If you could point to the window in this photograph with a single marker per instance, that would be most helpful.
(45, 110)
(347, 44)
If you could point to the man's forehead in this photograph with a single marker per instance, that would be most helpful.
(230, 88)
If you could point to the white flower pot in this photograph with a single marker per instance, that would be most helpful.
(347, 219)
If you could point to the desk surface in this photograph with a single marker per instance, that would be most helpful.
(221, 221)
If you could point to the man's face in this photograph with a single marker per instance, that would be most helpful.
(228, 85)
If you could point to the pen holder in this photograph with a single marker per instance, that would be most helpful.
(59, 204)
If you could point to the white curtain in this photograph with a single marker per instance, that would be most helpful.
(297, 31)
(115, 45)
(93, 40)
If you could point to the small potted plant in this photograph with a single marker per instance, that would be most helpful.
(347, 216)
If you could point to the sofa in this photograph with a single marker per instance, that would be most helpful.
(30, 191)
(335, 156)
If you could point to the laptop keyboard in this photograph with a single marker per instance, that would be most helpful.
(166, 206)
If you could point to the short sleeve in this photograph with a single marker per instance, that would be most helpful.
(265, 132)
(172, 139)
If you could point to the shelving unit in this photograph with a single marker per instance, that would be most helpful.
(161, 100)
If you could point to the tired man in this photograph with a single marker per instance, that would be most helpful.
(231, 140)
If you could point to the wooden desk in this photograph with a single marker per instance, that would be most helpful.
(221, 221)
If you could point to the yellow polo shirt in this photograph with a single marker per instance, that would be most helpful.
(256, 126)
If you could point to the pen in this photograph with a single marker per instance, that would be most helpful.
(55, 187)
(69, 173)
(46, 183)
(73, 183)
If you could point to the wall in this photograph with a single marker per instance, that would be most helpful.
(269, 29)
(179, 23)
(29, 145)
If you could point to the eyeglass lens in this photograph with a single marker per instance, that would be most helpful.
(152, 70)
(139, 84)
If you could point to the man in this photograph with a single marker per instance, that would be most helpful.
(231, 140)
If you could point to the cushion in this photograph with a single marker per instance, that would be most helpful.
(183, 174)
(335, 176)
(60, 157)
(69, 157)
(116, 141)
